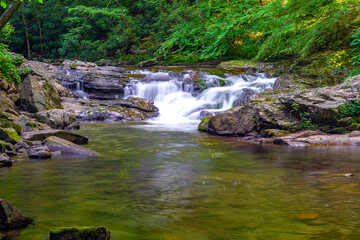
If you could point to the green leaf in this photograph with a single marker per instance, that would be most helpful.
(41, 1)
(3, 4)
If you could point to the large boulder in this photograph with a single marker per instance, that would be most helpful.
(43, 134)
(56, 118)
(67, 148)
(28, 125)
(5, 102)
(5, 161)
(38, 94)
(10, 217)
(80, 233)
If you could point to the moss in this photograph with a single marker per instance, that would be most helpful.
(4, 123)
(52, 98)
(204, 125)
(79, 233)
(239, 63)
(2, 146)
(9, 135)
(73, 66)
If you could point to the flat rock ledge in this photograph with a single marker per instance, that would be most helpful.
(65, 147)
(43, 134)
(80, 233)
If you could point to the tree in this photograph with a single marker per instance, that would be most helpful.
(10, 11)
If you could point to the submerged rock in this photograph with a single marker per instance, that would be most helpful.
(67, 148)
(42, 135)
(10, 217)
(80, 233)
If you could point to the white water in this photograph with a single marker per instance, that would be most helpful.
(177, 104)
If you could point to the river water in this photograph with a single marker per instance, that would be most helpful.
(161, 183)
(164, 180)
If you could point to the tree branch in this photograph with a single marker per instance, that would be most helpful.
(9, 13)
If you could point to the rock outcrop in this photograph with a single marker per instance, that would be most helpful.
(10, 217)
(56, 118)
(330, 109)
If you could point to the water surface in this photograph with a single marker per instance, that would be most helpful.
(158, 182)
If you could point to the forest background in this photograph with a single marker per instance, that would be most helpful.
(181, 31)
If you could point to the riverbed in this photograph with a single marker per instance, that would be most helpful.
(156, 181)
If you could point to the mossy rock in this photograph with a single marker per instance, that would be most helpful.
(9, 135)
(204, 125)
(239, 64)
(80, 233)
(2, 146)
(73, 66)
(4, 123)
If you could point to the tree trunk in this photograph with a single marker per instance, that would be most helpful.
(9, 12)
(40, 32)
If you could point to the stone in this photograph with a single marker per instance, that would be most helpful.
(80, 233)
(5, 102)
(9, 135)
(138, 103)
(43, 134)
(29, 125)
(204, 125)
(72, 127)
(4, 123)
(67, 148)
(40, 152)
(10, 217)
(56, 118)
(38, 94)
(5, 161)
(2, 146)
(354, 134)
(204, 114)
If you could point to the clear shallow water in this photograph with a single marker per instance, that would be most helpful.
(154, 182)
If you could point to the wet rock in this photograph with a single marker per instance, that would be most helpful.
(42, 135)
(2, 146)
(138, 103)
(4, 123)
(159, 76)
(204, 125)
(40, 152)
(204, 114)
(5, 161)
(10, 217)
(104, 62)
(21, 144)
(72, 127)
(56, 118)
(9, 135)
(67, 148)
(80, 233)
(354, 134)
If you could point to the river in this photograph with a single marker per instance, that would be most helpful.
(157, 181)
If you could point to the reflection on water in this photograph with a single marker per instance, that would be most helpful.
(152, 184)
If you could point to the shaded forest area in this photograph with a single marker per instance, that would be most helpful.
(185, 31)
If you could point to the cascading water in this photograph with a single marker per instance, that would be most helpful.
(177, 103)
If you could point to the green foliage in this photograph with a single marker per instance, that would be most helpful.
(305, 118)
(350, 109)
(8, 68)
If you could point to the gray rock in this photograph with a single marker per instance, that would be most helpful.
(10, 217)
(42, 135)
(38, 94)
(5, 161)
(72, 127)
(56, 118)
(67, 148)
(204, 114)
(41, 152)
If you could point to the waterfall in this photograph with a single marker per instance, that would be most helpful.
(177, 102)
